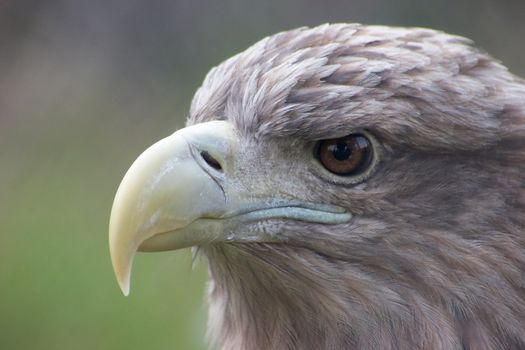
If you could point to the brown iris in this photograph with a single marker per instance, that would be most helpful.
(345, 156)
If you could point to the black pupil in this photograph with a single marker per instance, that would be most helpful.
(341, 151)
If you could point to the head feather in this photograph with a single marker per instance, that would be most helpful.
(435, 258)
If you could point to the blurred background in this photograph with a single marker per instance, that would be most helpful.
(85, 86)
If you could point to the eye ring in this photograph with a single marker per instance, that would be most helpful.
(350, 158)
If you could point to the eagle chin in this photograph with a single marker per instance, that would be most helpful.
(350, 187)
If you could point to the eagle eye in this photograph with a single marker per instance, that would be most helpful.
(345, 156)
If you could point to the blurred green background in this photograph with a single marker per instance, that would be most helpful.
(85, 86)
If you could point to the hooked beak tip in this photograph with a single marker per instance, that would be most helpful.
(124, 286)
(123, 279)
(122, 263)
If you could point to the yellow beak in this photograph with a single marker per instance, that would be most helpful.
(166, 189)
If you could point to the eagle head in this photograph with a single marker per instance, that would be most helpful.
(350, 187)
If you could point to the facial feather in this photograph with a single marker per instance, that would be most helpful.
(435, 256)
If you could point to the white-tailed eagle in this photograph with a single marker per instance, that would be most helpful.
(351, 187)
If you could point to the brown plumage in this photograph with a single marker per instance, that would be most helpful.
(434, 255)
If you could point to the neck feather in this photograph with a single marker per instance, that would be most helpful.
(281, 297)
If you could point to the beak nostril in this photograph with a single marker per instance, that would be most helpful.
(211, 161)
